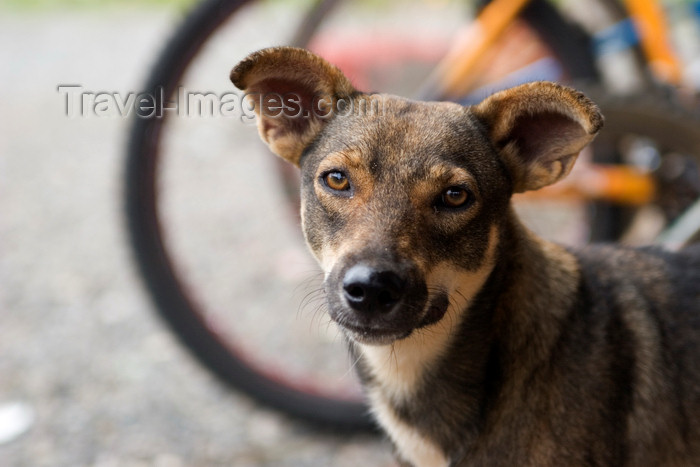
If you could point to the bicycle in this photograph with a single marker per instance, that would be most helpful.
(188, 282)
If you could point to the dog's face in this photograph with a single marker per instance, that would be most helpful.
(402, 201)
(395, 214)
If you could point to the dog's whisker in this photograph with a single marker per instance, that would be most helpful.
(353, 365)
(310, 305)
(393, 357)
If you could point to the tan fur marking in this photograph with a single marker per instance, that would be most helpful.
(411, 446)
(399, 366)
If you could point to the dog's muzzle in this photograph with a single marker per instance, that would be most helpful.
(378, 302)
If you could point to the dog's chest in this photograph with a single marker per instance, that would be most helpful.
(410, 444)
(396, 372)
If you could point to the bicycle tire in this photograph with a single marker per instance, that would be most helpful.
(154, 262)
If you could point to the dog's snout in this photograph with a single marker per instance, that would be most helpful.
(367, 289)
(375, 299)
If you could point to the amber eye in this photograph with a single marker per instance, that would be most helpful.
(454, 197)
(337, 181)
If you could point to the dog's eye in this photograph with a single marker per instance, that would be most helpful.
(337, 181)
(455, 197)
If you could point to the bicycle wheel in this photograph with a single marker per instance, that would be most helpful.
(215, 241)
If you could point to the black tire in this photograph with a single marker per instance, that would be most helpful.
(155, 264)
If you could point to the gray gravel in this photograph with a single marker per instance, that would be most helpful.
(85, 366)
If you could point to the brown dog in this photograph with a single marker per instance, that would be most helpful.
(478, 342)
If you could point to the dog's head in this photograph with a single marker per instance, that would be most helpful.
(403, 201)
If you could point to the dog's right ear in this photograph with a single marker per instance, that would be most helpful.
(293, 93)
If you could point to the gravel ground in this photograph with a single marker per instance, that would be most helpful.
(88, 375)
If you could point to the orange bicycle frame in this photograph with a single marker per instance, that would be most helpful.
(617, 184)
(650, 22)
(455, 73)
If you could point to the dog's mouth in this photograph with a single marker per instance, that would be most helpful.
(373, 335)
(384, 332)
(437, 308)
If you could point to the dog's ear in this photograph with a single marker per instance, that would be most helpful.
(294, 93)
(539, 129)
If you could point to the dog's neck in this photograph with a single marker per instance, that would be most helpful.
(539, 287)
(501, 321)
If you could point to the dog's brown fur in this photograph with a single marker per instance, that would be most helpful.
(484, 344)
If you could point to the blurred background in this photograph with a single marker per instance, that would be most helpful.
(89, 374)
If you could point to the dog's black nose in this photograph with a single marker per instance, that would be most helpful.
(368, 289)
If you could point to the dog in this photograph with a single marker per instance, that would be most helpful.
(479, 343)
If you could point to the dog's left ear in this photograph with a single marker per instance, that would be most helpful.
(539, 129)
(294, 93)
